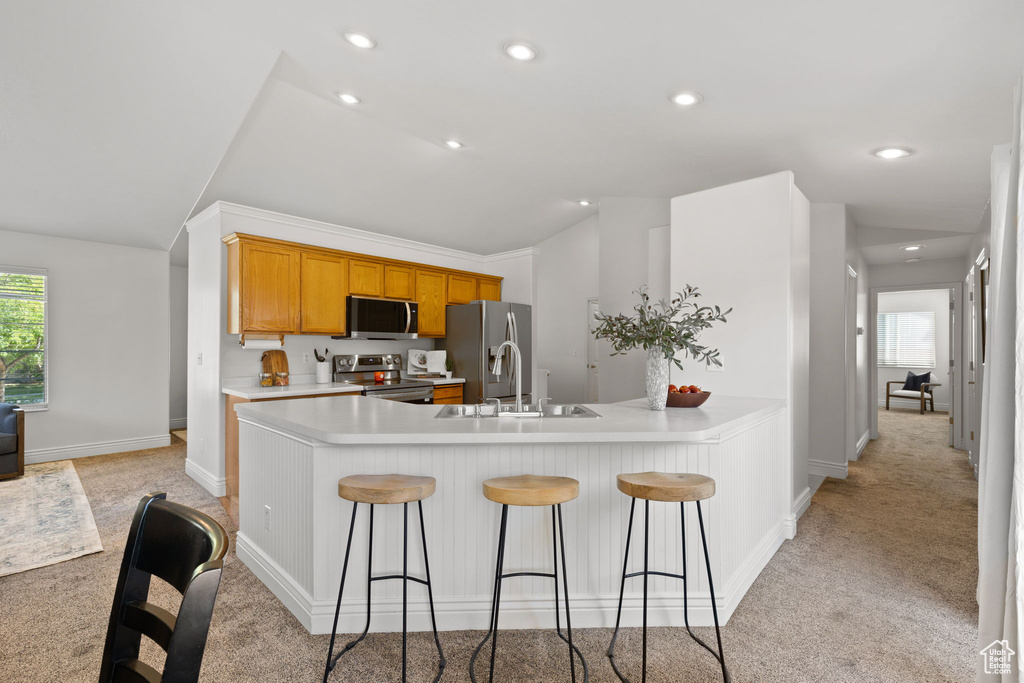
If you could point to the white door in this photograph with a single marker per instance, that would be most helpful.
(970, 365)
(592, 363)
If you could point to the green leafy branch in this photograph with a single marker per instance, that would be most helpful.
(672, 326)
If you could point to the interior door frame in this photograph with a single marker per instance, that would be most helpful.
(591, 382)
(956, 353)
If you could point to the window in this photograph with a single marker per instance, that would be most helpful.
(906, 340)
(23, 336)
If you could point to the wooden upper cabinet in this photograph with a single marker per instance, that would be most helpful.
(399, 282)
(431, 296)
(263, 288)
(490, 290)
(461, 288)
(324, 286)
(365, 278)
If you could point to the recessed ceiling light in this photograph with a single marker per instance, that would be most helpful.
(913, 247)
(687, 99)
(912, 259)
(584, 202)
(454, 144)
(893, 152)
(348, 99)
(523, 52)
(360, 40)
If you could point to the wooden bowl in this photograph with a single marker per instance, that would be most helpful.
(687, 400)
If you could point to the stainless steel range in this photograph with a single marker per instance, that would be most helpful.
(380, 375)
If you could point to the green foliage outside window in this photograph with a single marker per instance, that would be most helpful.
(22, 338)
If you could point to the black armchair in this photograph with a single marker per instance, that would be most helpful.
(12, 441)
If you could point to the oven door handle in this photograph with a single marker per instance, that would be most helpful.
(415, 394)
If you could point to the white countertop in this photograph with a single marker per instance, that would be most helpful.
(254, 393)
(435, 380)
(363, 420)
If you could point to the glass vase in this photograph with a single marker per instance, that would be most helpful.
(657, 379)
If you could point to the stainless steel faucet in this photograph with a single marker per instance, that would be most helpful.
(499, 355)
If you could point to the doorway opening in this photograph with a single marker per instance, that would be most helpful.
(592, 363)
(916, 349)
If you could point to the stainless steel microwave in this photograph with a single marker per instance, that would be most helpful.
(381, 319)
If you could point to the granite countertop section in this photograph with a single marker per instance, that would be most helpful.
(363, 420)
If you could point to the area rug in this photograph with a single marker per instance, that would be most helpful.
(45, 518)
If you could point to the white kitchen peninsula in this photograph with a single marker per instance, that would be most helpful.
(293, 525)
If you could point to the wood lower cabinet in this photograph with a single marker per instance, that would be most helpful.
(432, 296)
(263, 288)
(447, 393)
(489, 290)
(365, 278)
(461, 288)
(324, 285)
(399, 283)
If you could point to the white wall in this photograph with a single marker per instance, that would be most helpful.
(107, 346)
(746, 246)
(936, 301)
(223, 358)
(938, 271)
(828, 344)
(567, 275)
(624, 224)
(179, 347)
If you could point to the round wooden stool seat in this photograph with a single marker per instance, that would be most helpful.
(385, 488)
(666, 486)
(531, 489)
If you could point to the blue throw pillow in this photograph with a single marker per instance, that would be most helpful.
(914, 382)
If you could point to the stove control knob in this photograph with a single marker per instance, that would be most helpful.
(388, 360)
(342, 361)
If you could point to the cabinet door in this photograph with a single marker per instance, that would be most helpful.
(269, 289)
(461, 288)
(322, 295)
(490, 290)
(431, 296)
(398, 282)
(365, 278)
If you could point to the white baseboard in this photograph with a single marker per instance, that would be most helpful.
(862, 443)
(912, 403)
(178, 423)
(827, 469)
(86, 450)
(215, 485)
(517, 612)
(800, 505)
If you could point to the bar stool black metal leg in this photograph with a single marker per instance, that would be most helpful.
(554, 555)
(430, 597)
(565, 586)
(492, 631)
(405, 587)
(647, 533)
(341, 590)
(622, 590)
(331, 662)
(711, 587)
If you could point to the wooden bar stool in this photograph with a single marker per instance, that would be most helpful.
(669, 488)
(531, 490)
(386, 489)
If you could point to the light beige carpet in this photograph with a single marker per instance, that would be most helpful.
(181, 434)
(45, 518)
(877, 587)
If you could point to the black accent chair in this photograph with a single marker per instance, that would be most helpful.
(186, 549)
(12, 441)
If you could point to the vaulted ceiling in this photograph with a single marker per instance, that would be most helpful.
(119, 120)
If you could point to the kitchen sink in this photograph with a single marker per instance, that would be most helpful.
(530, 410)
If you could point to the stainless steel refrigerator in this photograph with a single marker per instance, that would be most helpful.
(474, 333)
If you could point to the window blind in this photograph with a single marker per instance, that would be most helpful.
(23, 336)
(906, 339)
